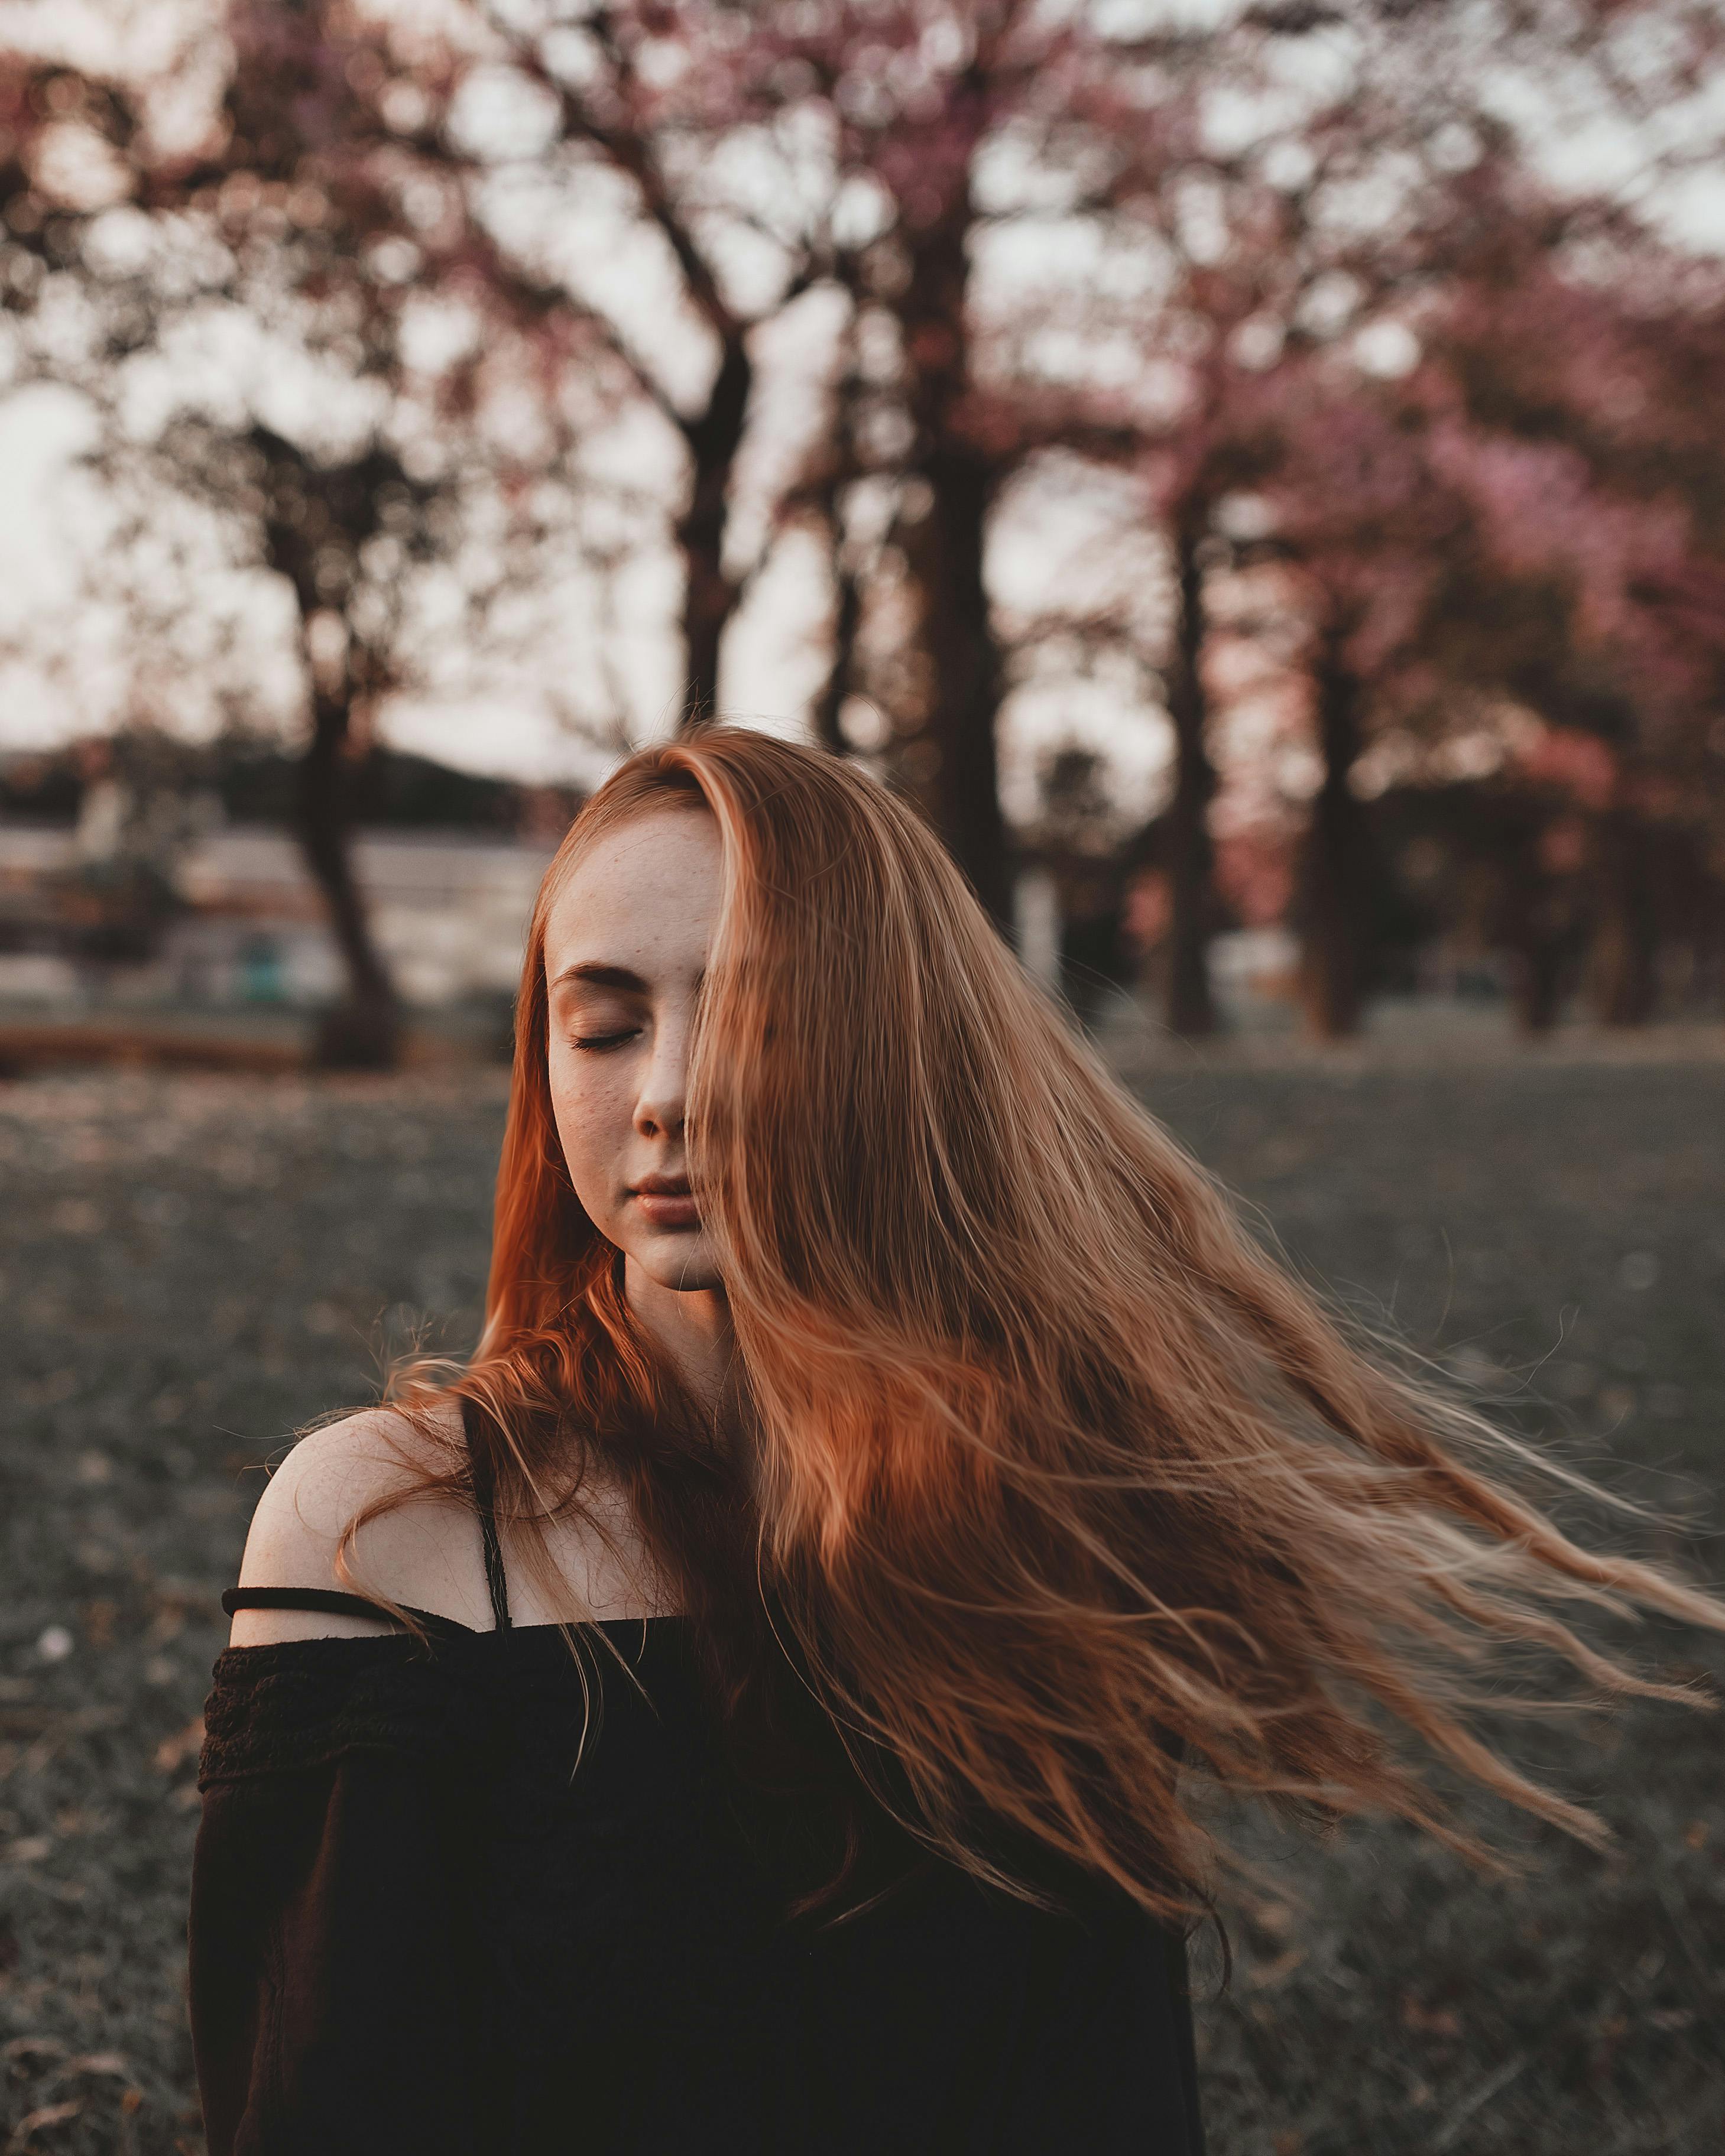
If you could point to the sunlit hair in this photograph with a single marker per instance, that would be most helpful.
(1058, 1474)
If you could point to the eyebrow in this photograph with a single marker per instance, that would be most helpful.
(599, 975)
(595, 974)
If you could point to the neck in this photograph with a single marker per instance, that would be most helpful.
(691, 1329)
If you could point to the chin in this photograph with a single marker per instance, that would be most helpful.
(682, 1263)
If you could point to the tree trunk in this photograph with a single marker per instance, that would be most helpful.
(1623, 961)
(1538, 984)
(363, 1032)
(709, 594)
(1190, 1007)
(1534, 924)
(965, 669)
(963, 790)
(1338, 888)
(847, 616)
(841, 468)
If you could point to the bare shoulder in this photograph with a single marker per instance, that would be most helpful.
(424, 1552)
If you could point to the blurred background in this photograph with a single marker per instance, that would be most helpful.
(1255, 474)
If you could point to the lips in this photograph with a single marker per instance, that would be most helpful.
(665, 1201)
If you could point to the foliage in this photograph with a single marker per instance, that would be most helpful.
(1318, 287)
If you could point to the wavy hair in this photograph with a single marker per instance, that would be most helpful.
(1057, 1476)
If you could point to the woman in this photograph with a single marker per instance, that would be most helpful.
(753, 1722)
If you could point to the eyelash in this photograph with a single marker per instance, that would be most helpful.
(599, 1042)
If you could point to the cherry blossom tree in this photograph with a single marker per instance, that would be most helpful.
(1325, 230)
(1121, 239)
(281, 222)
(1600, 395)
(1502, 536)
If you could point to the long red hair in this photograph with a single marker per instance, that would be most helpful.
(1059, 1475)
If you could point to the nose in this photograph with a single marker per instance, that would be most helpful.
(661, 1104)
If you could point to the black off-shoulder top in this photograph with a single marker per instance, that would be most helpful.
(417, 1925)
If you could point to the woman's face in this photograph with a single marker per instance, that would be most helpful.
(625, 950)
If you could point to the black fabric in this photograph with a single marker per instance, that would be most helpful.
(330, 1601)
(472, 1895)
(416, 1924)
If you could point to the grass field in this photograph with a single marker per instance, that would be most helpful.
(193, 1267)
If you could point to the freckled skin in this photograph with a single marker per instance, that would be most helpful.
(643, 902)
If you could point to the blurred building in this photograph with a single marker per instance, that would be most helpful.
(242, 923)
(449, 910)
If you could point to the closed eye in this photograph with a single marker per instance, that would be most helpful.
(600, 1041)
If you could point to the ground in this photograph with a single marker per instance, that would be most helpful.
(193, 1266)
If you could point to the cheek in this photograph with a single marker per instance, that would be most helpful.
(590, 1099)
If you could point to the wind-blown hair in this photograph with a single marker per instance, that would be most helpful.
(1058, 1475)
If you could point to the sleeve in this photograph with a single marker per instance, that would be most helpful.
(331, 1947)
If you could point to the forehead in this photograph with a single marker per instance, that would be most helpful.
(645, 897)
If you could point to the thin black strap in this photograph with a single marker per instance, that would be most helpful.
(484, 1504)
(330, 1601)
